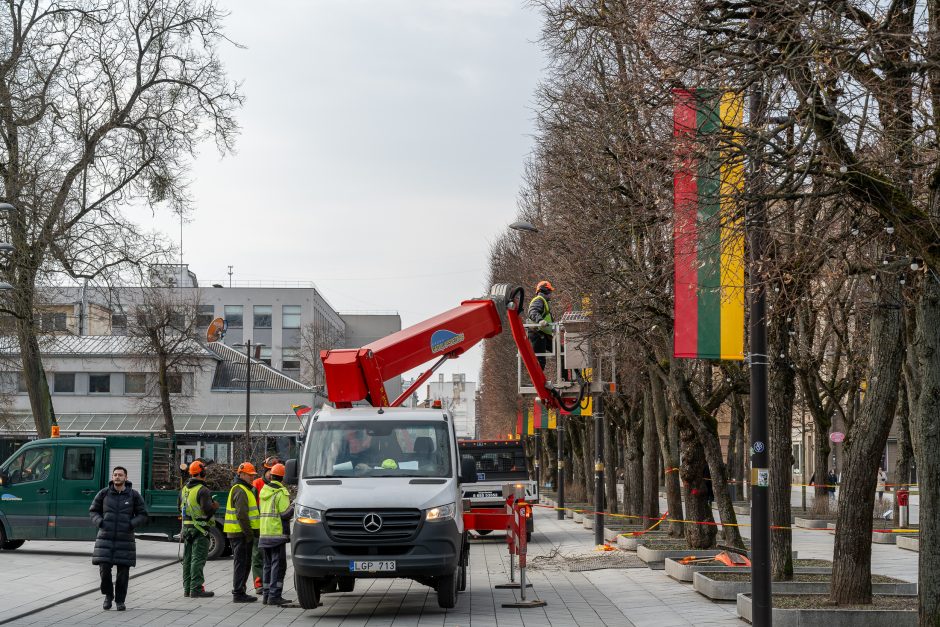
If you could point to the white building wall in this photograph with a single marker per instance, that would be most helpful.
(460, 396)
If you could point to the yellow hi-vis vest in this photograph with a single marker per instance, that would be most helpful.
(274, 501)
(231, 521)
(191, 510)
(546, 313)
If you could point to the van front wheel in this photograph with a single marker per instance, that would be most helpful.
(307, 594)
(217, 543)
(447, 591)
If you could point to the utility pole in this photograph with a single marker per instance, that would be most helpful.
(561, 466)
(247, 381)
(599, 469)
(760, 475)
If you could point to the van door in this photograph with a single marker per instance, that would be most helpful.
(27, 501)
(79, 482)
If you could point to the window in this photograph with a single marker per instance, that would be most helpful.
(233, 315)
(118, 320)
(290, 358)
(135, 383)
(33, 464)
(79, 464)
(21, 383)
(99, 384)
(798, 458)
(177, 320)
(63, 383)
(290, 316)
(205, 315)
(262, 316)
(265, 354)
(174, 382)
(52, 321)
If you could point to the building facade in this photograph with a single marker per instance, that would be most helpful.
(458, 395)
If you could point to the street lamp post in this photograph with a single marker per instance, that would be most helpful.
(247, 381)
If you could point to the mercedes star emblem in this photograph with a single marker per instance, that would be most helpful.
(372, 522)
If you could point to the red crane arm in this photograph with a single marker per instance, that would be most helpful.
(354, 374)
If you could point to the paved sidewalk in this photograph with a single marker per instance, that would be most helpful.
(621, 597)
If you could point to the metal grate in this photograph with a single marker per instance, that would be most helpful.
(347, 525)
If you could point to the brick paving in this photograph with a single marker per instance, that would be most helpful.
(621, 597)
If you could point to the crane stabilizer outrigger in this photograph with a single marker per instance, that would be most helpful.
(359, 374)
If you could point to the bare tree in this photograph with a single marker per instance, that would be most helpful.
(170, 335)
(102, 105)
(316, 336)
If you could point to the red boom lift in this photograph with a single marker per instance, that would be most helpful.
(360, 374)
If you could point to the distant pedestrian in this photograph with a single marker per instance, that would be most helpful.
(242, 524)
(831, 482)
(882, 480)
(197, 509)
(276, 512)
(116, 511)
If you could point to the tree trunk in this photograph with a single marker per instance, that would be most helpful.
(667, 430)
(633, 462)
(164, 391)
(575, 482)
(34, 375)
(925, 434)
(821, 450)
(781, 392)
(587, 459)
(611, 455)
(851, 572)
(902, 466)
(650, 461)
(692, 470)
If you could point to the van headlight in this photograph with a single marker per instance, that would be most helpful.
(308, 515)
(440, 513)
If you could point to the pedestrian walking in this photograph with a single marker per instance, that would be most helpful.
(276, 512)
(882, 480)
(257, 559)
(197, 509)
(832, 480)
(242, 525)
(116, 511)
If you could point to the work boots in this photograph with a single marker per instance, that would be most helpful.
(279, 601)
(259, 587)
(201, 593)
(243, 598)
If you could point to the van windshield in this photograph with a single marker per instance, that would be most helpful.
(379, 448)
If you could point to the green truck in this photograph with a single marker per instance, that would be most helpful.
(47, 486)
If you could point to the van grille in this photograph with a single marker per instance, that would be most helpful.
(397, 524)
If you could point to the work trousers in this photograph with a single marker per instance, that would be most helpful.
(195, 552)
(257, 560)
(117, 589)
(275, 567)
(241, 557)
(541, 343)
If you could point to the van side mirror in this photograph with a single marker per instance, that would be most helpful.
(290, 472)
(468, 470)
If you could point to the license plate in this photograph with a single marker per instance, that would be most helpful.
(486, 495)
(387, 566)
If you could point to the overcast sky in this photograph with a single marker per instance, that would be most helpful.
(381, 150)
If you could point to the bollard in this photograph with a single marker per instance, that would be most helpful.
(903, 503)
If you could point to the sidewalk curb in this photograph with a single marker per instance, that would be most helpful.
(9, 619)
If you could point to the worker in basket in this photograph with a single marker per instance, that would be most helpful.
(540, 314)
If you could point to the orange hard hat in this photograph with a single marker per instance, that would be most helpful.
(271, 461)
(247, 467)
(544, 285)
(278, 470)
(196, 468)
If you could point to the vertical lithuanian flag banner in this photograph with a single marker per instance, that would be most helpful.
(530, 423)
(520, 425)
(708, 232)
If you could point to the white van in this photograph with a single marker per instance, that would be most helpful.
(379, 495)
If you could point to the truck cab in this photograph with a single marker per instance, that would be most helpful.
(379, 495)
(497, 462)
(47, 486)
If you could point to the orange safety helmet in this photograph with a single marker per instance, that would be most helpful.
(247, 467)
(278, 470)
(196, 468)
(270, 462)
(547, 285)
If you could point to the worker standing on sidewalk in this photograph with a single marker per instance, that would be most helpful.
(257, 560)
(276, 512)
(242, 525)
(541, 314)
(197, 509)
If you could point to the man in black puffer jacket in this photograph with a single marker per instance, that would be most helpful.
(116, 511)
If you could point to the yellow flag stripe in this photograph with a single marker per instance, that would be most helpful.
(732, 228)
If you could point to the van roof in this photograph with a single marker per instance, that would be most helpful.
(328, 413)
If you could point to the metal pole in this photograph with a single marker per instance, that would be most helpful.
(538, 457)
(561, 466)
(248, 398)
(803, 454)
(760, 519)
(599, 470)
